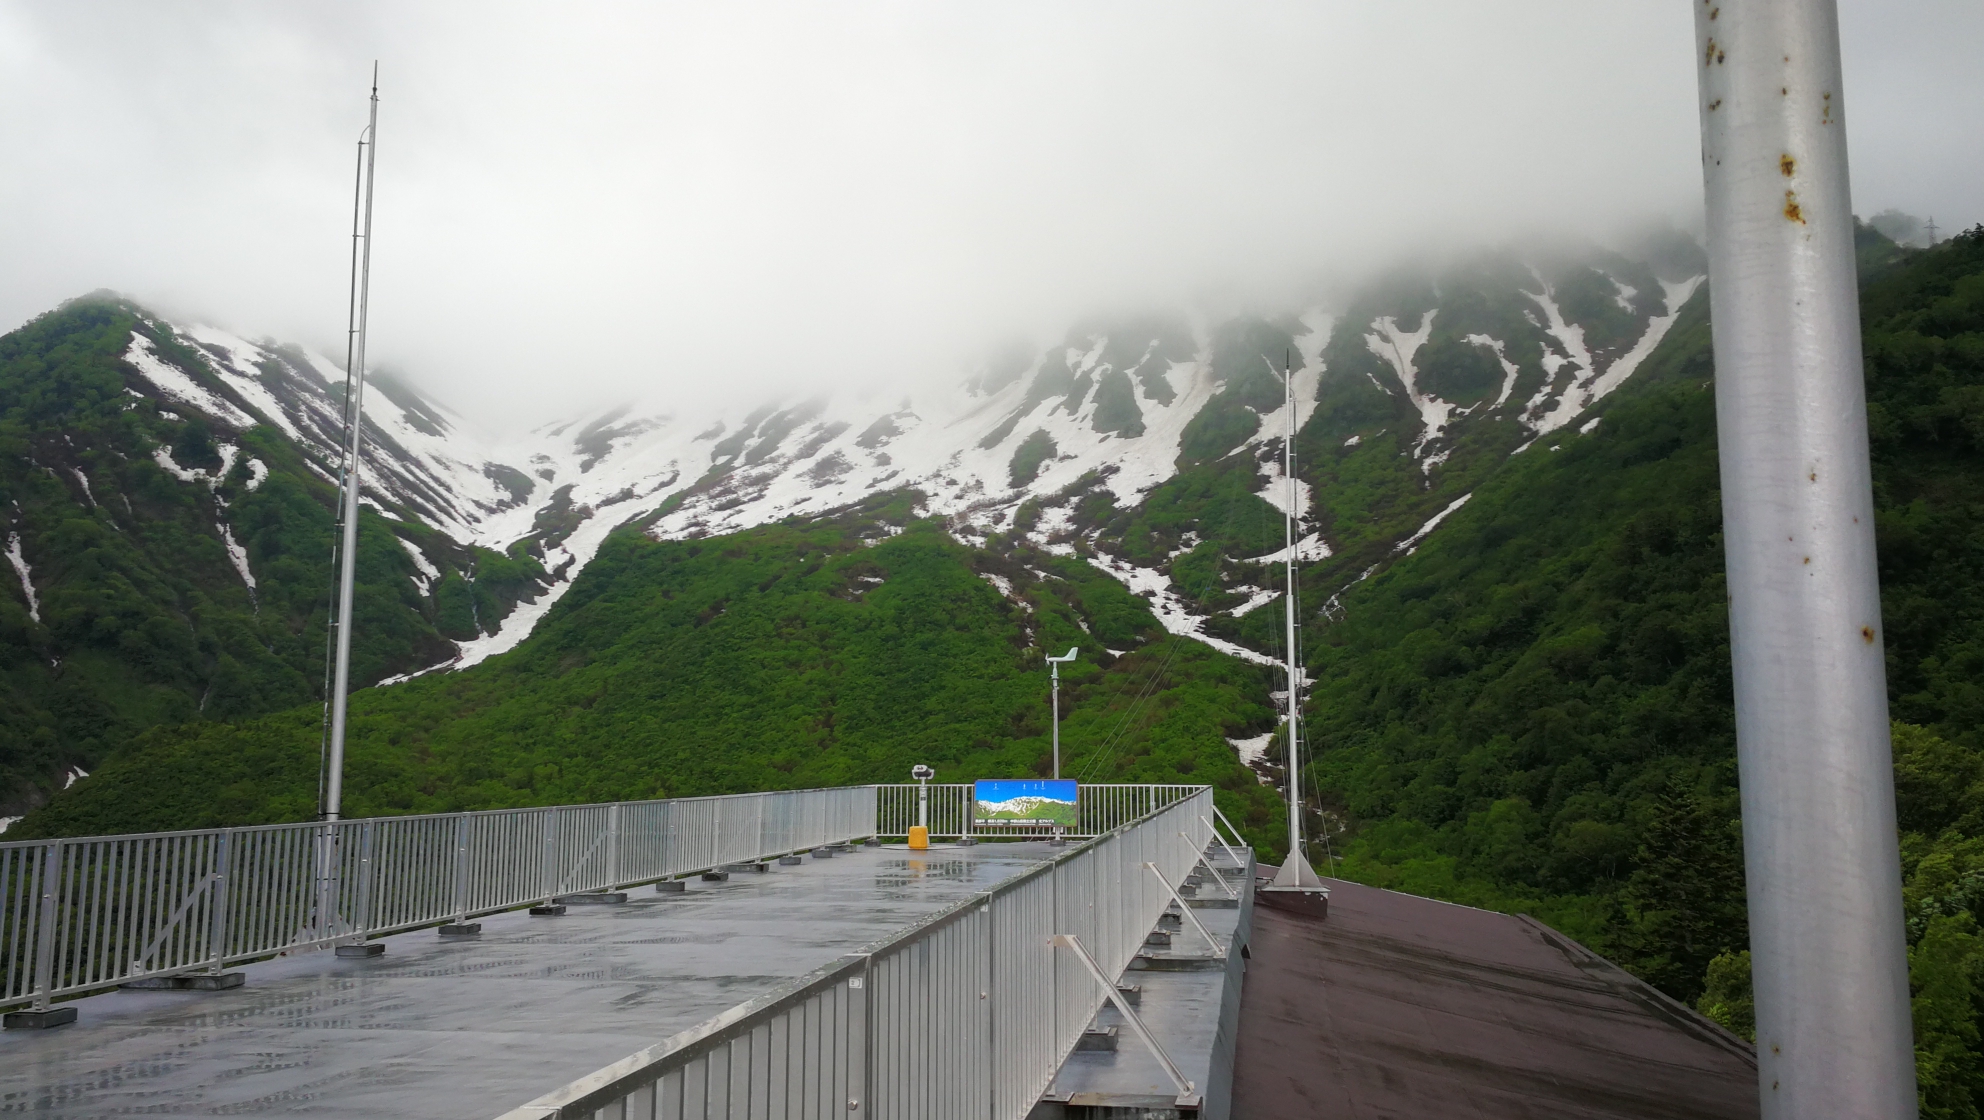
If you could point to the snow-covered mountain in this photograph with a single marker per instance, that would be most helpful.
(1115, 409)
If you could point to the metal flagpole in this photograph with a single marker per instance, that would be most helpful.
(1820, 853)
(353, 441)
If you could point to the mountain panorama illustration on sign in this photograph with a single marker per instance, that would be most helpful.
(1026, 801)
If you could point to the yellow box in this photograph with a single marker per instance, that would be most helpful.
(919, 837)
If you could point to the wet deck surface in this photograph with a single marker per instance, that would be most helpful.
(471, 1028)
(1406, 1008)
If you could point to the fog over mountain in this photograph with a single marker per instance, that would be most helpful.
(587, 203)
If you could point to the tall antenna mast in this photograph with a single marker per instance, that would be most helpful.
(332, 785)
(1294, 633)
(1295, 885)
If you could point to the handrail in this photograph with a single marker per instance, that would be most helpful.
(968, 1013)
(81, 914)
(87, 913)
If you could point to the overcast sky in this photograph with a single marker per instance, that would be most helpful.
(580, 202)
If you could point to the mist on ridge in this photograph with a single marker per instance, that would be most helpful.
(581, 206)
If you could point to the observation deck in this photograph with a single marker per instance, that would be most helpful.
(751, 955)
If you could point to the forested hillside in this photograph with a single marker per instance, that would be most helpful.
(169, 567)
(841, 649)
(1533, 710)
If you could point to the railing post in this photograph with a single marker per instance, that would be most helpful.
(461, 867)
(362, 922)
(613, 845)
(549, 879)
(858, 1030)
(44, 949)
(217, 923)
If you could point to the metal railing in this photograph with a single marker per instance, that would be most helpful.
(968, 1014)
(82, 914)
(1099, 809)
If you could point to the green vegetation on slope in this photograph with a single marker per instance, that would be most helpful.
(801, 654)
(1533, 711)
(144, 619)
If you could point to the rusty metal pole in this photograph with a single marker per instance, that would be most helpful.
(1821, 858)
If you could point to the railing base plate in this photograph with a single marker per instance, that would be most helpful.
(368, 949)
(591, 898)
(198, 982)
(462, 929)
(715, 876)
(790, 861)
(671, 886)
(1165, 962)
(38, 1020)
(1097, 1039)
(552, 911)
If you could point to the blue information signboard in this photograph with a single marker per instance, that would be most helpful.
(1025, 801)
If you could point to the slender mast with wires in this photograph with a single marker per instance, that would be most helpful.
(1295, 878)
(338, 669)
(1294, 658)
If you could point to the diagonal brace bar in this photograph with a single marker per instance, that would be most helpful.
(1071, 941)
(1216, 876)
(1189, 916)
(139, 962)
(1229, 826)
(1230, 853)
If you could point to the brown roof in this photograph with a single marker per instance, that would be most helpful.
(1403, 1007)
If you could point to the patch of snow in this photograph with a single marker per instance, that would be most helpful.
(1004, 585)
(1311, 547)
(1411, 544)
(1170, 610)
(7, 823)
(428, 573)
(405, 677)
(258, 473)
(238, 556)
(163, 458)
(1353, 441)
(1588, 386)
(1585, 429)
(1253, 752)
(1656, 329)
(76, 774)
(174, 383)
(20, 561)
(1509, 368)
(1399, 348)
(1257, 597)
(1624, 296)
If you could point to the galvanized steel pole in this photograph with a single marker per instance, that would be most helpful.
(354, 439)
(1820, 851)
